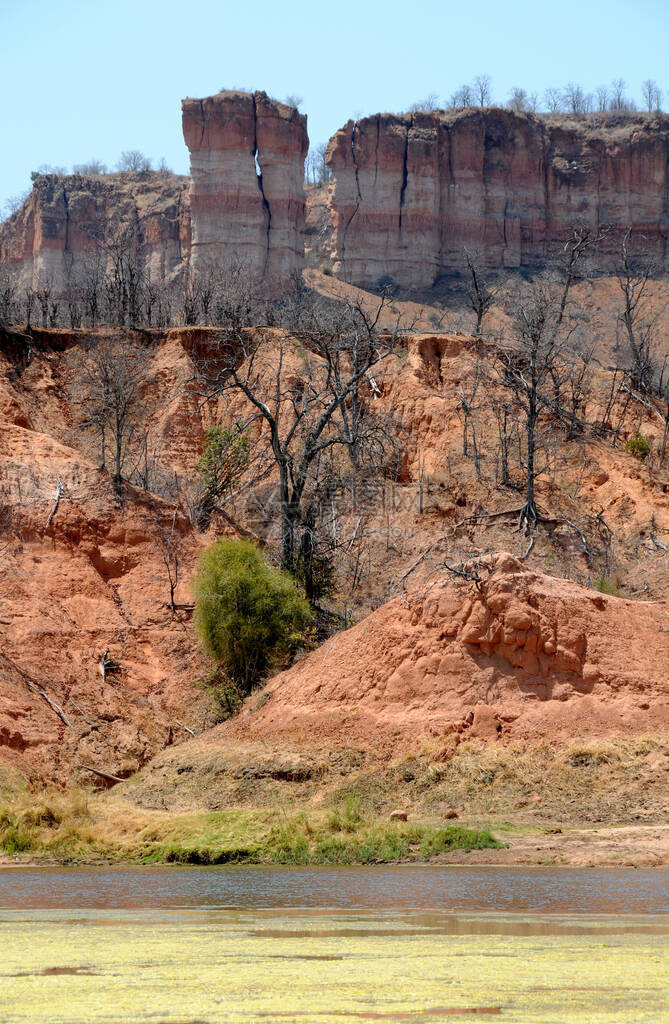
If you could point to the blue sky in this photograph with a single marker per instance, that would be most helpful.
(82, 79)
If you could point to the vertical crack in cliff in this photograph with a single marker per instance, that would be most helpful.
(376, 148)
(258, 167)
(405, 169)
(354, 156)
(358, 200)
(202, 121)
(547, 150)
(66, 204)
(600, 149)
(445, 208)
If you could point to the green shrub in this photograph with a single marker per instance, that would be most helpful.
(225, 455)
(16, 839)
(638, 445)
(246, 611)
(607, 585)
(226, 694)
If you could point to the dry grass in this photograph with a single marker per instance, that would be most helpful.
(346, 820)
(78, 826)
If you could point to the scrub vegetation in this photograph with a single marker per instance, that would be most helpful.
(73, 827)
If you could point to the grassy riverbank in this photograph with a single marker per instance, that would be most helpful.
(79, 827)
(580, 803)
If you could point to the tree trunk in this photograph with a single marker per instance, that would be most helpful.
(118, 453)
(287, 524)
(530, 510)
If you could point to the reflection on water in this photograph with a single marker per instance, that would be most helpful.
(395, 944)
(609, 891)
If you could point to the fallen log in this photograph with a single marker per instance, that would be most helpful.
(102, 775)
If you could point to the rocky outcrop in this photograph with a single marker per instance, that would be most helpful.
(412, 190)
(70, 220)
(247, 182)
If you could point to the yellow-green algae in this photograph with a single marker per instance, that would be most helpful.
(241, 966)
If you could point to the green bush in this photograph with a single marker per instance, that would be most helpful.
(225, 455)
(607, 585)
(246, 611)
(638, 445)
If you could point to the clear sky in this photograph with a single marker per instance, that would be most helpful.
(90, 78)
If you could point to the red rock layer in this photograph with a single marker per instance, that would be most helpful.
(412, 190)
(247, 182)
(70, 219)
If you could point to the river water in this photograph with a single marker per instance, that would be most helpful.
(334, 945)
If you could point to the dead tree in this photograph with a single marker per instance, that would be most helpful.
(170, 541)
(507, 430)
(308, 398)
(633, 275)
(532, 371)
(480, 296)
(540, 369)
(123, 254)
(467, 406)
(110, 386)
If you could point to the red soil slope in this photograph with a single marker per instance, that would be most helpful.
(521, 655)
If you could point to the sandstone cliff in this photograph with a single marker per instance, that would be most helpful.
(69, 219)
(247, 182)
(412, 190)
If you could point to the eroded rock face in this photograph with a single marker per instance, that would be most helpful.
(412, 190)
(69, 222)
(247, 182)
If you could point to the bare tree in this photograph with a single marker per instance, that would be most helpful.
(8, 295)
(483, 90)
(575, 100)
(110, 386)
(536, 369)
(90, 275)
(431, 102)
(553, 100)
(171, 542)
(133, 160)
(91, 166)
(507, 429)
(317, 171)
(480, 296)
(652, 95)
(124, 280)
(462, 97)
(602, 96)
(518, 100)
(618, 101)
(13, 204)
(309, 401)
(633, 275)
(467, 407)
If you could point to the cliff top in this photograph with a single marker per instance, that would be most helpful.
(607, 126)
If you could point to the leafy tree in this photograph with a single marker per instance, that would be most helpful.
(225, 453)
(246, 611)
(638, 445)
(225, 456)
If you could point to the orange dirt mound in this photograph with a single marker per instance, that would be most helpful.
(522, 655)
